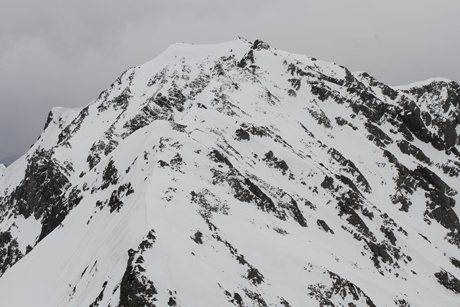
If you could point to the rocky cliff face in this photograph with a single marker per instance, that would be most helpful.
(238, 175)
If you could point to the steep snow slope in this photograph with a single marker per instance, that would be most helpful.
(238, 175)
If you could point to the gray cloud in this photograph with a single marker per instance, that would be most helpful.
(63, 53)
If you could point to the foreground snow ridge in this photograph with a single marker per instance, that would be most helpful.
(238, 175)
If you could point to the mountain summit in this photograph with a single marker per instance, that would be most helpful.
(238, 175)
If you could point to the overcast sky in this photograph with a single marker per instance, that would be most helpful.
(65, 52)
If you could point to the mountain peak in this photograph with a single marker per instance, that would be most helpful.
(238, 175)
(424, 83)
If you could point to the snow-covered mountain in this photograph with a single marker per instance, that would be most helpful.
(238, 175)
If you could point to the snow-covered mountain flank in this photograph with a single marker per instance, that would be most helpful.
(238, 175)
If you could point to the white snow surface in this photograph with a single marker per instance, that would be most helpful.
(185, 194)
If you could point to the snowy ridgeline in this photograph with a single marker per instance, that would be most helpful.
(238, 175)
